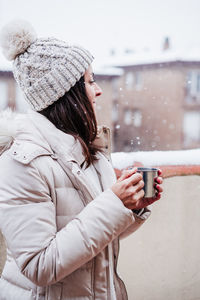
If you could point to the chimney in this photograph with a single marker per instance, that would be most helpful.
(128, 51)
(166, 44)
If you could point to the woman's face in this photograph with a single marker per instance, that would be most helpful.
(92, 88)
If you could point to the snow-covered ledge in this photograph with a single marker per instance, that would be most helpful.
(172, 163)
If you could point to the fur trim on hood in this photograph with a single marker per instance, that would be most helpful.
(7, 129)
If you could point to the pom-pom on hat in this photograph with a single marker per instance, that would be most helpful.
(44, 68)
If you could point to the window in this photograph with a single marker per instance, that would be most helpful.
(137, 118)
(191, 127)
(129, 80)
(3, 94)
(193, 85)
(133, 81)
(115, 87)
(128, 117)
(138, 81)
(115, 112)
(133, 117)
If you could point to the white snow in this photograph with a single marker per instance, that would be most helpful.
(108, 65)
(107, 71)
(122, 160)
(151, 57)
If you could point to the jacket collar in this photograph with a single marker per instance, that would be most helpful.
(70, 155)
(34, 135)
(59, 142)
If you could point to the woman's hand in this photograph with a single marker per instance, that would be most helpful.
(129, 188)
(157, 181)
(148, 201)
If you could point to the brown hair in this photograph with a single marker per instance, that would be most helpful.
(73, 114)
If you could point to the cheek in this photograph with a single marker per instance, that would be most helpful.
(90, 93)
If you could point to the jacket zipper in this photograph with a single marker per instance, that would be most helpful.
(92, 279)
(93, 260)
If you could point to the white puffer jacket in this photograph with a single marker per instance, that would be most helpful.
(61, 231)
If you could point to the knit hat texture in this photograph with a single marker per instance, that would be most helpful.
(44, 68)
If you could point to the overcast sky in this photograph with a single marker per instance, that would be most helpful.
(101, 25)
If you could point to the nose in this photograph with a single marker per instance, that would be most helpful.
(98, 90)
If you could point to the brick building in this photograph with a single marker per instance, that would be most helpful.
(156, 103)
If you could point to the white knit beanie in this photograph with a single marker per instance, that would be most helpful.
(44, 68)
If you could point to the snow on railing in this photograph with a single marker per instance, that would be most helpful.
(172, 163)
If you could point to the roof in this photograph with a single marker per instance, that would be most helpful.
(107, 71)
(149, 57)
(108, 66)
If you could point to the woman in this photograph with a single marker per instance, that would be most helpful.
(62, 211)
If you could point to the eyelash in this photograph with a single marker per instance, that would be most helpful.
(92, 81)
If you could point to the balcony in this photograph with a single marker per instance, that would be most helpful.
(161, 260)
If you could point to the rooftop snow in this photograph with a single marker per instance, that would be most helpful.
(123, 160)
(148, 57)
(108, 64)
(108, 71)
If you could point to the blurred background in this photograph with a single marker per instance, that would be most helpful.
(147, 61)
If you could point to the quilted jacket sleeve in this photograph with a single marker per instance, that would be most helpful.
(140, 218)
(28, 223)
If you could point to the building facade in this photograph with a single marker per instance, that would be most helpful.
(148, 106)
(156, 106)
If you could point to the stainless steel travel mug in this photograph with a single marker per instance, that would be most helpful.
(148, 175)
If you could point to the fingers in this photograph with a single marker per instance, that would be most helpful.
(139, 195)
(159, 172)
(157, 197)
(158, 188)
(134, 189)
(127, 173)
(139, 186)
(134, 179)
(158, 180)
(129, 188)
(133, 201)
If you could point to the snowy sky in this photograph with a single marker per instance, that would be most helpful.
(101, 25)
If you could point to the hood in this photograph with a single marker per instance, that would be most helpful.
(18, 134)
(8, 129)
